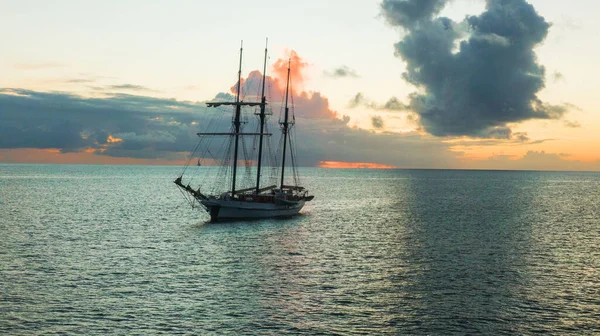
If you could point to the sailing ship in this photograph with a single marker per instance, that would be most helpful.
(279, 199)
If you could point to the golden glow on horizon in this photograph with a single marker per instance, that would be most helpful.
(353, 165)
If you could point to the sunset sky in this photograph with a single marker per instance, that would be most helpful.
(461, 84)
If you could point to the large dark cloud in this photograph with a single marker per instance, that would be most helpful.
(477, 76)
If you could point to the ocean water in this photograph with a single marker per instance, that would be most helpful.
(97, 250)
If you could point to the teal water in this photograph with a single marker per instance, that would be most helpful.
(116, 250)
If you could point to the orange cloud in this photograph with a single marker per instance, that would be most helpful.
(308, 104)
(340, 164)
(297, 69)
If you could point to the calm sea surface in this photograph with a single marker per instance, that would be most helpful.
(116, 250)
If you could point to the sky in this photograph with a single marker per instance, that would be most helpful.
(451, 84)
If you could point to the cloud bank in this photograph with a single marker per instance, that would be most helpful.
(148, 127)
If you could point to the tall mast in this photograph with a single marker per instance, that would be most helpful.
(236, 122)
(262, 121)
(285, 123)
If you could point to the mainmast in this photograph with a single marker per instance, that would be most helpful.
(285, 123)
(236, 122)
(262, 122)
